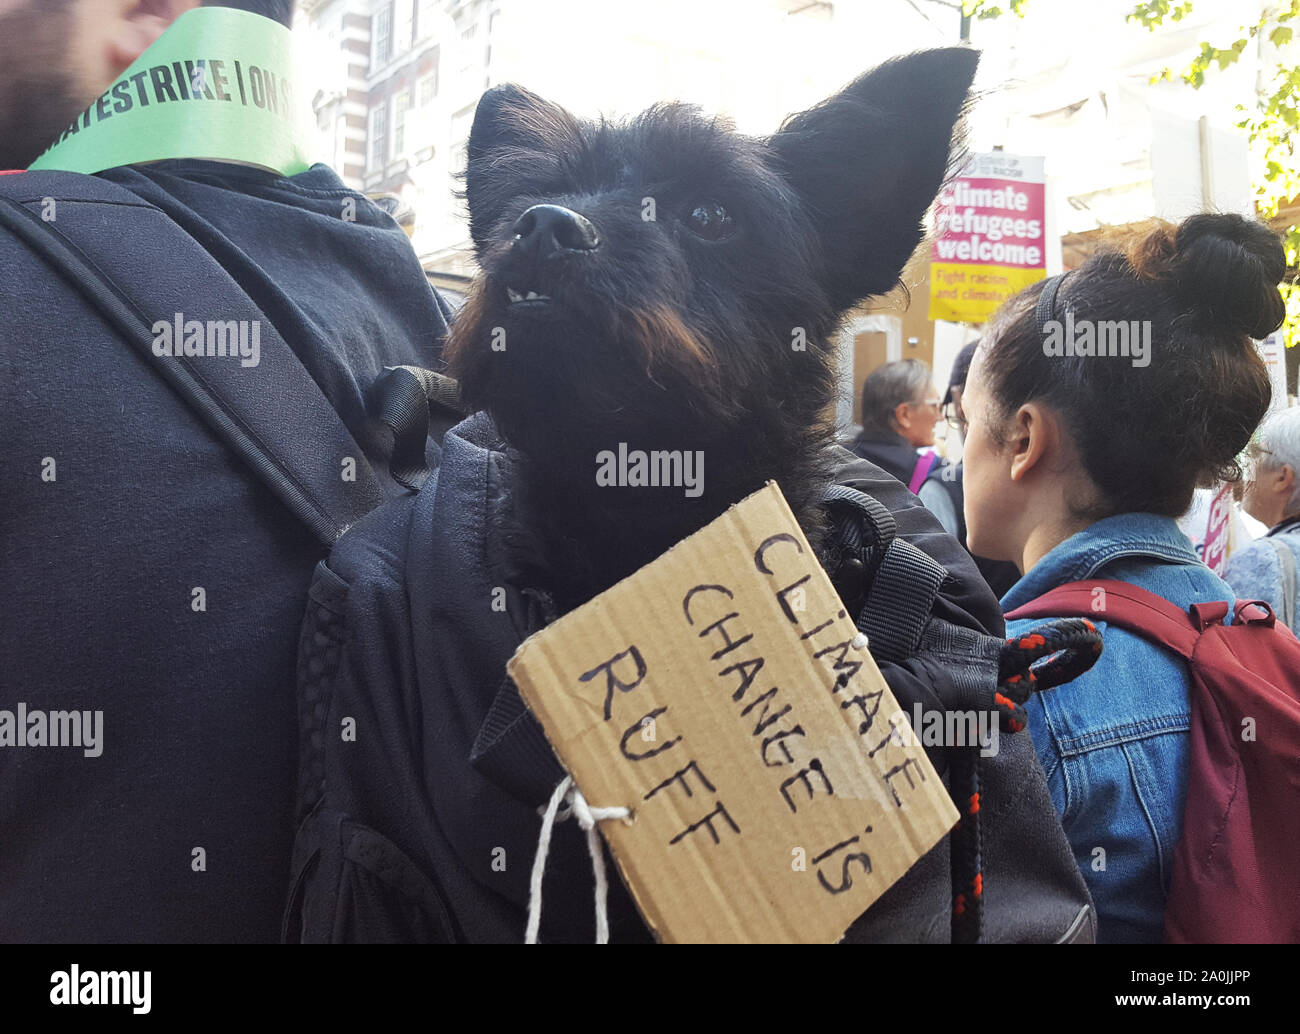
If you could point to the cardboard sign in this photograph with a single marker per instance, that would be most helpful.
(718, 694)
(990, 237)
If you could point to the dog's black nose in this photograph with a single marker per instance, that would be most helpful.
(544, 230)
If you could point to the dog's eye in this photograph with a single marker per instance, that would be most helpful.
(710, 220)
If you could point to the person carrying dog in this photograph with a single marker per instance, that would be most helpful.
(184, 412)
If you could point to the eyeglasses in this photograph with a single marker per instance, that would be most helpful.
(950, 415)
(931, 403)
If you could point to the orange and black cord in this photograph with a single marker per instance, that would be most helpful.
(1047, 656)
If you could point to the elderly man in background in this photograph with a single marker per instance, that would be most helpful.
(1266, 569)
(900, 406)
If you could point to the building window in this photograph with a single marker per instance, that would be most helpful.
(467, 52)
(379, 137)
(424, 15)
(383, 30)
(403, 26)
(429, 84)
(460, 126)
(487, 51)
(401, 105)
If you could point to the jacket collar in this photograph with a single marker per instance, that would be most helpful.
(1085, 553)
(1284, 526)
(506, 743)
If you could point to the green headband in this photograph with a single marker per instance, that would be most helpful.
(217, 84)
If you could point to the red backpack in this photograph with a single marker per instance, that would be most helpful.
(1235, 867)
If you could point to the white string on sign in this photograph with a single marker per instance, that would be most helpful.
(566, 792)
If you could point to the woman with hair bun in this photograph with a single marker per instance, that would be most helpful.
(1085, 444)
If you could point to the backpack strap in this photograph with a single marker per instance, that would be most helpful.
(413, 403)
(1141, 612)
(901, 601)
(1287, 559)
(1121, 604)
(301, 465)
(903, 582)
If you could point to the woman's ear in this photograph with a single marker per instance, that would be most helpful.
(1035, 433)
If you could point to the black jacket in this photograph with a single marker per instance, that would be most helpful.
(892, 453)
(154, 577)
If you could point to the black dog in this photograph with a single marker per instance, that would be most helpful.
(673, 285)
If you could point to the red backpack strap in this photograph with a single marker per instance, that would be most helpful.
(1128, 607)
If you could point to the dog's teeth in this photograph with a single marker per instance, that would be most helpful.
(531, 296)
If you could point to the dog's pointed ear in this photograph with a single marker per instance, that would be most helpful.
(868, 162)
(516, 134)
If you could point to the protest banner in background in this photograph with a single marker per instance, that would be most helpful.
(1218, 530)
(990, 237)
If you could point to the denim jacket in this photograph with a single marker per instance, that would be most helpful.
(1113, 743)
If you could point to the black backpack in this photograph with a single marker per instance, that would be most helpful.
(423, 774)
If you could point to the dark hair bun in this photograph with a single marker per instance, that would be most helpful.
(1228, 269)
(1148, 433)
